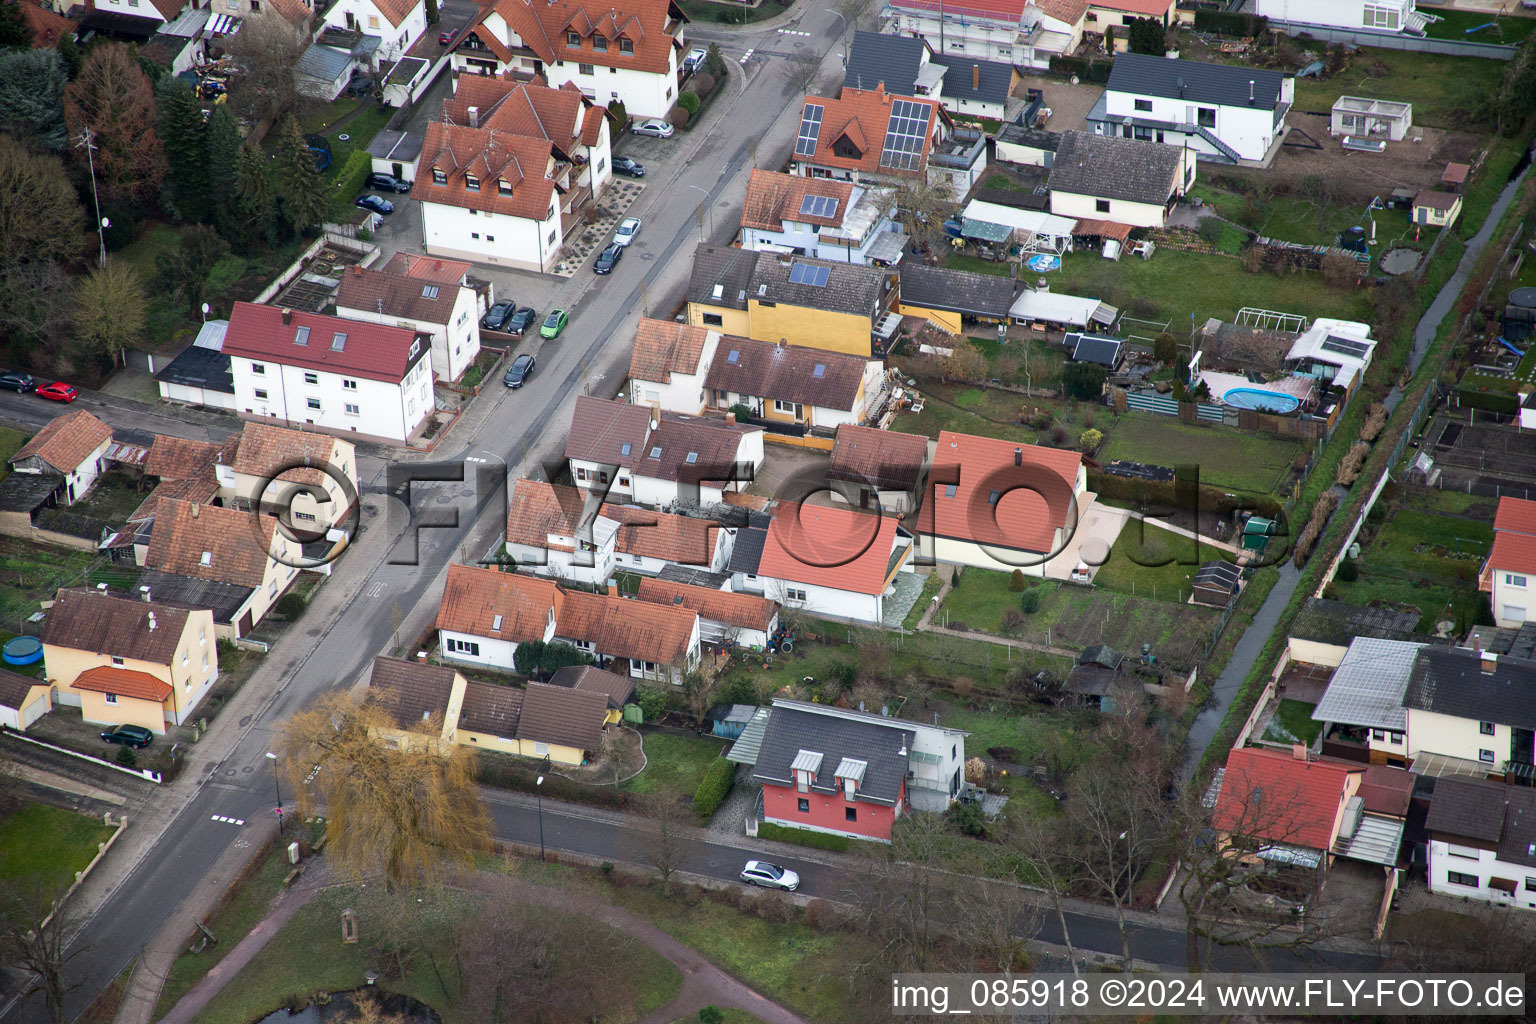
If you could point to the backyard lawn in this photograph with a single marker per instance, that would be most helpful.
(1446, 92)
(1294, 219)
(1479, 26)
(1293, 723)
(10, 443)
(1235, 460)
(1424, 558)
(30, 573)
(674, 765)
(42, 847)
(1130, 569)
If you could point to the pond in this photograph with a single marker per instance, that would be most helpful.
(342, 1007)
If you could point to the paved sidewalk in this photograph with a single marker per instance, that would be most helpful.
(64, 784)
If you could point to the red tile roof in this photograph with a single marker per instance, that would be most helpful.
(383, 293)
(1387, 790)
(663, 347)
(773, 197)
(427, 268)
(538, 510)
(396, 10)
(543, 26)
(1145, 8)
(66, 441)
(473, 598)
(47, 27)
(124, 682)
(625, 628)
(1068, 11)
(860, 118)
(1514, 536)
(237, 545)
(372, 351)
(885, 458)
(829, 547)
(518, 108)
(747, 611)
(1298, 801)
(1033, 489)
(527, 166)
(176, 458)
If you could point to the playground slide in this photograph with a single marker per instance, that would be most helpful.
(1518, 354)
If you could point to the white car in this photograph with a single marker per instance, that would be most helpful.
(769, 876)
(695, 59)
(654, 127)
(626, 231)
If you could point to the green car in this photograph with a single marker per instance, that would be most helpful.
(553, 324)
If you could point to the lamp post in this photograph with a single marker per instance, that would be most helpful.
(277, 789)
(839, 16)
(707, 207)
(538, 790)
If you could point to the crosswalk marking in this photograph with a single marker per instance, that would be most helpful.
(792, 32)
(227, 821)
(746, 56)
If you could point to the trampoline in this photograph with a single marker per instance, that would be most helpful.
(1523, 297)
(1261, 400)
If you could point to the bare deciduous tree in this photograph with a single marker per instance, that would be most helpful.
(1040, 846)
(903, 905)
(666, 842)
(32, 939)
(699, 688)
(803, 74)
(267, 49)
(397, 801)
(113, 100)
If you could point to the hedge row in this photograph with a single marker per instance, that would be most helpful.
(1163, 493)
(493, 769)
(1506, 402)
(714, 787)
(1229, 23)
(803, 837)
(1085, 69)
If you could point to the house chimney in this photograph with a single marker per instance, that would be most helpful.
(780, 344)
(144, 593)
(1299, 751)
(195, 507)
(1489, 662)
(1018, 456)
(474, 117)
(357, 270)
(730, 417)
(613, 588)
(975, 76)
(287, 317)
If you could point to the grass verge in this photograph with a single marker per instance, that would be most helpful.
(802, 837)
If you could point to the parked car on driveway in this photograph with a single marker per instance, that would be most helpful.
(496, 317)
(376, 204)
(769, 876)
(519, 371)
(624, 165)
(58, 391)
(554, 323)
(387, 183)
(519, 322)
(695, 59)
(655, 128)
(22, 382)
(628, 228)
(608, 259)
(444, 38)
(129, 735)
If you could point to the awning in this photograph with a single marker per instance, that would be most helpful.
(1376, 840)
(1503, 885)
(887, 248)
(223, 25)
(986, 231)
(1102, 229)
(1296, 856)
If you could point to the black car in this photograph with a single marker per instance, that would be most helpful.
(624, 165)
(496, 317)
(129, 736)
(519, 371)
(608, 259)
(524, 318)
(377, 204)
(388, 183)
(17, 382)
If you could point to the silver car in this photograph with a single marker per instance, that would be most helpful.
(769, 876)
(654, 127)
(626, 231)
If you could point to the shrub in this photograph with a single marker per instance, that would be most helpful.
(714, 787)
(1210, 231)
(1228, 23)
(843, 673)
(1059, 434)
(606, 867)
(689, 101)
(678, 117)
(1351, 465)
(959, 626)
(1013, 620)
(1084, 380)
(968, 819)
(1165, 347)
(714, 62)
(711, 1015)
(1349, 571)
(225, 274)
(290, 606)
(1029, 602)
(801, 837)
(618, 114)
(822, 915)
(472, 377)
(652, 702)
(1339, 270)
(353, 174)
(127, 758)
(1016, 581)
(1089, 441)
(702, 83)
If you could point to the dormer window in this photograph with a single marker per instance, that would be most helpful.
(439, 177)
(471, 182)
(573, 40)
(600, 44)
(627, 46)
(504, 186)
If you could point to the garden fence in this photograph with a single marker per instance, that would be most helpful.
(1396, 40)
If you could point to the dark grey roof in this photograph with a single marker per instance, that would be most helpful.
(324, 63)
(849, 288)
(874, 58)
(1091, 348)
(1100, 654)
(1091, 681)
(223, 599)
(24, 492)
(200, 368)
(1223, 575)
(693, 576)
(1021, 135)
(1014, 198)
(14, 687)
(994, 78)
(1337, 623)
(747, 552)
(959, 291)
(1451, 681)
(879, 746)
(1467, 807)
(1142, 75)
(617, 688)
(412, 692)
(395, 145)
(724, 270)
(1111, 168)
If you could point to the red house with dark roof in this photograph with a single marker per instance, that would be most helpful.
(1509, 575)
(296, 368)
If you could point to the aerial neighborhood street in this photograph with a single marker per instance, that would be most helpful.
(760, 497)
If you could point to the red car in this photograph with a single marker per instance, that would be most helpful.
(58, 391)
(444, 38)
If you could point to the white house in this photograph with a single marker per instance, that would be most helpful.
(1118, 181)
(741, 620)
(627, 53)
(1509, 575)
(1019, 32)
(446, 308)
(821, 218)
(397, 23)
(967, 84)
(1481, 842)
(824, 560)
(668, 364)
(1384, 16)
(869, 136)
(1224, 112)
(130, 18)
(73, 447)
(341, 376)
(269, 466)
(876, 468)
(799, 387)
(1472, 709)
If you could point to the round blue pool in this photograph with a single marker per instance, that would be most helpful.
(1263, 401)
(22, 650)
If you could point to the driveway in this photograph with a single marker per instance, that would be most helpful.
(1096, 533)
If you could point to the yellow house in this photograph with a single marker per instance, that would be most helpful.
(129, 662)
(424, 701)
(23, 700)
(775, 297)
(1436, 209)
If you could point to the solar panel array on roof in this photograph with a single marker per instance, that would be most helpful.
(818, 206)
(806, 273)
(905, 134)
(1345, 346)
(810, 129)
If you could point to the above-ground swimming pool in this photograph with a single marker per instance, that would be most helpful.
(1263, 401)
